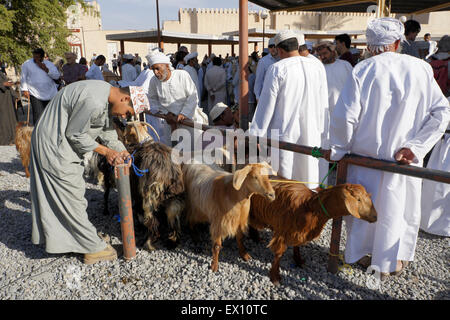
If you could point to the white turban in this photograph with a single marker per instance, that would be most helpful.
(156, 57)
(384, 31)
(190, 56)
(288, 34)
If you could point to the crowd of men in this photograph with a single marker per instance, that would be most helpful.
(386, 103)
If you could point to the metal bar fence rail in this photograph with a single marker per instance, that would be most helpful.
(383, 165)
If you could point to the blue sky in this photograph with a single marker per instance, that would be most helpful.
(141, 14)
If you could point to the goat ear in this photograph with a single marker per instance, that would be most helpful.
(351, 204)
(267, 169)
(240, 175)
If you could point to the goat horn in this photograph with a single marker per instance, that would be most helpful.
(153, 129)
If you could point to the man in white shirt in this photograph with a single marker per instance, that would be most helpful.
(191, 61)
(391, 108)
(37, 82)
(293, 101)
(432, 45)
(216, 83)
(95, 73)
(143, 80)
(263, 65)
(172, 92)
(129, 72)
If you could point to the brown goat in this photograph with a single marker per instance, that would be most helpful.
(136, 132)
(223, 200)
(23, 144)
(297, 217)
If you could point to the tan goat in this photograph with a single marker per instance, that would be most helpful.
(297, 216)
(222, 199)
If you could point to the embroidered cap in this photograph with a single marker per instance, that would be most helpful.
(139, 99)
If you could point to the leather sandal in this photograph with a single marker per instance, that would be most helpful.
(365, 261)
(385, 275)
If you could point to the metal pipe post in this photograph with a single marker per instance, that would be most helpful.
(159, 29)
(126, 211)
(243, 63)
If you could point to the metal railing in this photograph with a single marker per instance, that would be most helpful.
(383, 165)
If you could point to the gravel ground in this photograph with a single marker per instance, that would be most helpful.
(28, 272)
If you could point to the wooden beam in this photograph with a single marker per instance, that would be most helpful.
(209, 49)
(325, 5)
(431, 9)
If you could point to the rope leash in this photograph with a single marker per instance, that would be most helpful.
(345, 266)
(137, 171)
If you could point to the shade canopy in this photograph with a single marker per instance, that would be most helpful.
(177, 37)
(309, 34)
(397, 6)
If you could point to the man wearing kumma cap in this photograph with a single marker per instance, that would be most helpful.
(68, 128)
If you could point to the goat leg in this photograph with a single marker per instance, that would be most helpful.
(254, 234)
(173, 213)
(149, 220)
(299, 261)
(105, 200)
(217, 245)
(148, 244)
(278, 248)
(27, 172)
(242, 251)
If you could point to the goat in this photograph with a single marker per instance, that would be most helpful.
(23, 144)
(96, 165)
(222, 199)
(161, 187)
(297, 217)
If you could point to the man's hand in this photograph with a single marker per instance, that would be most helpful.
(180, 117)
(113, 157)
(404, 156)
(172, 120)
(126, 157)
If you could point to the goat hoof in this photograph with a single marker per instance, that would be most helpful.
(299, 262)
(171, 244)
(148, 246)
(246, 257)
(214, 267)
(275, 279)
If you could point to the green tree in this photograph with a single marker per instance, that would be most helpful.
(29, 24)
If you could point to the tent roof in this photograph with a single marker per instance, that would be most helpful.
(177, 37)
(397, 6)
(309, 34)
